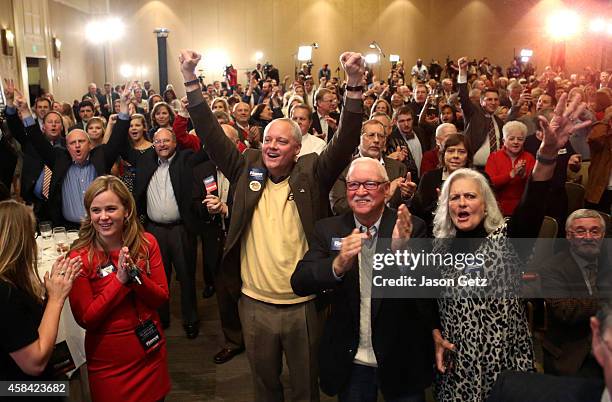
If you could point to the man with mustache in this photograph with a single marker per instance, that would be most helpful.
(277, 199)
(373, 142)
(572, 281)
(369, 344)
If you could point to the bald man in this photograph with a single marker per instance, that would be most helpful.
(73, 168)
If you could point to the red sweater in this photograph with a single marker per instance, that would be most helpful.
(508, 190)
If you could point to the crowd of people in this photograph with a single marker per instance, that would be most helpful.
(292, 190)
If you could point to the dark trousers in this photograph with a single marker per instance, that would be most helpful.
(213, 237)
(227, 290)
(363, 387)
(178, 250)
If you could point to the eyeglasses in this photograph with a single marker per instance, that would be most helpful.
(160, 142)
(368, 185)
(370, 136)
(584, 232)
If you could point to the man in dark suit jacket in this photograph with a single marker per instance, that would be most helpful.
(107, 99)
(479, 121)
(79, 164)
(32, 173)
(212, 203)
(8, 160)
(268, 305)
(324, 124)
(372, 145)
(163, 194)
(572, 282)
(412, 141)
(85, 112)
(390, 346)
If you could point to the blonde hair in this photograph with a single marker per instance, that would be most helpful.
(133, 232)
(18, 249)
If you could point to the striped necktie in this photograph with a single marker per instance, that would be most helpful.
(46, 182)
(491, 134)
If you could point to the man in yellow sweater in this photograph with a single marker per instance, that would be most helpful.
(278, 198)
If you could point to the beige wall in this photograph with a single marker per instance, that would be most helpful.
(8, 64)
(74, 69)
(416, 28)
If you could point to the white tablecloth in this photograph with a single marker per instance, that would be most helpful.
(68, 330)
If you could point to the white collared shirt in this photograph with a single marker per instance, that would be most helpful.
(162, 206)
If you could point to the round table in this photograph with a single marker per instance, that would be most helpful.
(68, 329)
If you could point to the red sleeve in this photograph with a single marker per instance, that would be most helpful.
(89, 311)
(499, 174)
(154, 289)
(183, 138)
(429, 161)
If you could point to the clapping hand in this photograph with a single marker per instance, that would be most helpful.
(58, 282)
(518, 169)
(407, 186)
(402, 231)
(349, 249)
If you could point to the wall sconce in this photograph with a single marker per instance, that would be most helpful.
(8, 41)
(57, 47)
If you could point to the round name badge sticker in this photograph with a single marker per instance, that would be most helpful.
(255, 185)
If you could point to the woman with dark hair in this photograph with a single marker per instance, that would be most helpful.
(171, 99)
(30, 309)
(454, 154)
(117, 297)
(260, 117)
(162, 116)
(138, 140)
(484, 330)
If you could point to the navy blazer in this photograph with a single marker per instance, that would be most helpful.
(401, 327)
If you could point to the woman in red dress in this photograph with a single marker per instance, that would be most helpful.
(124, 343)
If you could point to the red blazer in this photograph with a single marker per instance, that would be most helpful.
(508, 190)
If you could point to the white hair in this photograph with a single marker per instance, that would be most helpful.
(365, 160)
(443, 224)
(514, 125)
(295, 129)
(440, 130)
(584, 213)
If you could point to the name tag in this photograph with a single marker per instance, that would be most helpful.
(562, 151)
(148, 335)
(336, 243)
(104, 270)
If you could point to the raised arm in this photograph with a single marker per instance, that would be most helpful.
(181, 122)
(528, 215)
(338, 153)
(12, 119)
(221, 149)
(467, 106)
(36, 137)
(118, 140)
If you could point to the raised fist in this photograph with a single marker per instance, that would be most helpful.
(189, 60)
(354, 66)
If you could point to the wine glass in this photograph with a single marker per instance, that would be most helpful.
(72, 235)
(45, 230)
(61, 240)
